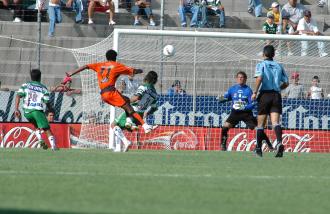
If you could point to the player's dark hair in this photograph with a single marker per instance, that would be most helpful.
(241, 73)
(35, 75)
(269, 51)
(111, 55)
(151, 77)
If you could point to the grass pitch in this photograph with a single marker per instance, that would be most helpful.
(99, 181)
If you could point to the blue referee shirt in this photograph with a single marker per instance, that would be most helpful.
(273, 75)
(240, 94)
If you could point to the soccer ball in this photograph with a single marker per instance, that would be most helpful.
(169, 50)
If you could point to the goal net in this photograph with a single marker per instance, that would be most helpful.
(204, 66)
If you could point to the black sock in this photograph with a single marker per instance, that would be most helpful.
(260, 137)
(269, 144)
(224, 135)
(278, 133)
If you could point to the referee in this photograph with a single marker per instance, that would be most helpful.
(270, 80)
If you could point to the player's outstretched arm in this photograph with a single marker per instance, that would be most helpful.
(69, 74)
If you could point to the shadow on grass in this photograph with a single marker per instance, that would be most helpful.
(17, 211)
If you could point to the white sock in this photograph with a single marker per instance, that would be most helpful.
(117, 144)
(38, 134)
(119, 133)
(52, 141)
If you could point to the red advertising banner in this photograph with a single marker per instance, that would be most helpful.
(173, 138)
(22, 135)
(194, 138)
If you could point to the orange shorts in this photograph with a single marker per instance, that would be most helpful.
(114, 98)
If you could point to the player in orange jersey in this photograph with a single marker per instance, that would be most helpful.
(107, 74)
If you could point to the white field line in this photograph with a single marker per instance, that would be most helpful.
(168, 175)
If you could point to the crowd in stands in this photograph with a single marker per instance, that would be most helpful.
(296, 90)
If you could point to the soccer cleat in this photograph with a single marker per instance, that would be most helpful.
(126, 145)
(111, 22)
(43, 144)
(279, 150)
(223, 147)
(258, 152)
(55, 148)
(147, 128)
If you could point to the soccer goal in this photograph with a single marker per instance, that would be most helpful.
(203, 68)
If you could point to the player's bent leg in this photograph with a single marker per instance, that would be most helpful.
(117, 142)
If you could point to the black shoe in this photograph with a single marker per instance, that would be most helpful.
(223, 147)
(43, 145)
(258, 152)
(279, 150)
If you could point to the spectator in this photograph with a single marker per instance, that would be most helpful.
(102, 3)
(176, 89)
(16, 6)
(269, 27)
(255, 5)
(141, 6)
(188, 6)
(295, 89)
(54, 13)
(307, 26)
(77, 6)
(214, 7)
(50, 115)
(321, 3)
(292, 12)
(276, 12)
(315, 92)
(128, 85)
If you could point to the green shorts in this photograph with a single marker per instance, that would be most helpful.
(38, 119)
(121, 120)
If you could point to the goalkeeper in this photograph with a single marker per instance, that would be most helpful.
(144, 102)
(240, 94)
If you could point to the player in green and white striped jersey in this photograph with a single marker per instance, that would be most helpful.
(35, 95)
(144, 102)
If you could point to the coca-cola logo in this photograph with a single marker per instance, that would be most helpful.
(292, 143)
(19, 137)
(176, 140)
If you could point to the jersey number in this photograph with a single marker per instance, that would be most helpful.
(105, 73)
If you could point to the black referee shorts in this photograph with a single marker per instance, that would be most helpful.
(246, 116)
(269, 102)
